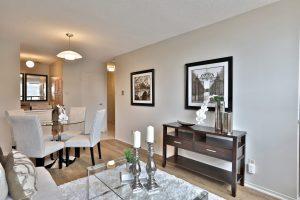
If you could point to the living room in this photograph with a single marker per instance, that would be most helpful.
(256, 42)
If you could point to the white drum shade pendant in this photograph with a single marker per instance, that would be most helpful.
(68, 54)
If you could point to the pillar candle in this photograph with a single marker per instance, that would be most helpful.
(150, 134)
(137, 139)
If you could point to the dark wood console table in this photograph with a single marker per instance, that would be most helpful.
(230, 147)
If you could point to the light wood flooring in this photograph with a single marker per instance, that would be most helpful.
(112, 149)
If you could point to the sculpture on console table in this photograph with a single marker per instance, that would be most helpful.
(201, 113)
(219, 110)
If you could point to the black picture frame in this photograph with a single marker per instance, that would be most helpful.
(25, 87)
(152, 88)
(22, 98)
(229, 61)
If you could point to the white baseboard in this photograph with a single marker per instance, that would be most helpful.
(269, 192)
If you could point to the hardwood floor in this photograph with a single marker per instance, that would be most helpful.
(112, 149)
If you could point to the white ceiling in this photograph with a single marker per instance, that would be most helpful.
(106, 28)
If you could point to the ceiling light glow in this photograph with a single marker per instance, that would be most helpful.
(29, 63)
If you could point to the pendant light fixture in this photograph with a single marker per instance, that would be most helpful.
(69, 55)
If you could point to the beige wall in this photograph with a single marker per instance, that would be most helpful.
(85, 85)
(264, 44)
(9, 87)
(111, 97)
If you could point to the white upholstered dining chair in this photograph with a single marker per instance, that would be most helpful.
(43, 116)
(28, 135)
(77, 114)
(89, 140)
(8, 114)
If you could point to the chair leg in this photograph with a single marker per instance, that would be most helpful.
(99, 150)
(77, 152)
(67, 156)
(92, 155)
(60, 158)
(51, 156)
(39, 162)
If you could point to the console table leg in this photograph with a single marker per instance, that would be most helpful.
(176, 148)
(164, 147)
(164, 156)
(233, 190)
(243, 161)
(234, 167)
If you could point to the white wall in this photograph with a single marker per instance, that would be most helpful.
(84, 84)
(264, 44)
(9, 87)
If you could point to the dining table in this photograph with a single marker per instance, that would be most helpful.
(57, 128)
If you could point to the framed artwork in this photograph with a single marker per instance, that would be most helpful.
(210, 77)
(142, 88)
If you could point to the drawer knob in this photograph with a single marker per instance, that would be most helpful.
(177, 142)
(211, 150)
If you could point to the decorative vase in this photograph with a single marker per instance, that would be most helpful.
(226, 122)
(219, 109)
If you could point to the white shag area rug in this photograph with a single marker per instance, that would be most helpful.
(172, 188)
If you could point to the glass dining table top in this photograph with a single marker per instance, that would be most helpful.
(58, 127)
(55, 123)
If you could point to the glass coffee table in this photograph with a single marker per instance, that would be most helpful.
(105, 183)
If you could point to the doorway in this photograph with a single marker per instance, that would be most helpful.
(111, 103)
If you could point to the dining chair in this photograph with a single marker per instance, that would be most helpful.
(89, 140)
(43, 116)
(8, 114)
(77, 114)
(28, 135)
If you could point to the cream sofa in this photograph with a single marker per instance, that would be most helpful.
(47, 188)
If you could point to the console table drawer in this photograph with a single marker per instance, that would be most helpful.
(216, 152)
(179, 142)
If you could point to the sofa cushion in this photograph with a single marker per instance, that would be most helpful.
(3, 184)
(20, 176)
(47, 188)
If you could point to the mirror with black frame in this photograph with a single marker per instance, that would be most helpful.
(36, 87)
(21, 87)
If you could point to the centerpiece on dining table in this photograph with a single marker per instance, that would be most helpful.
(62, 114)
